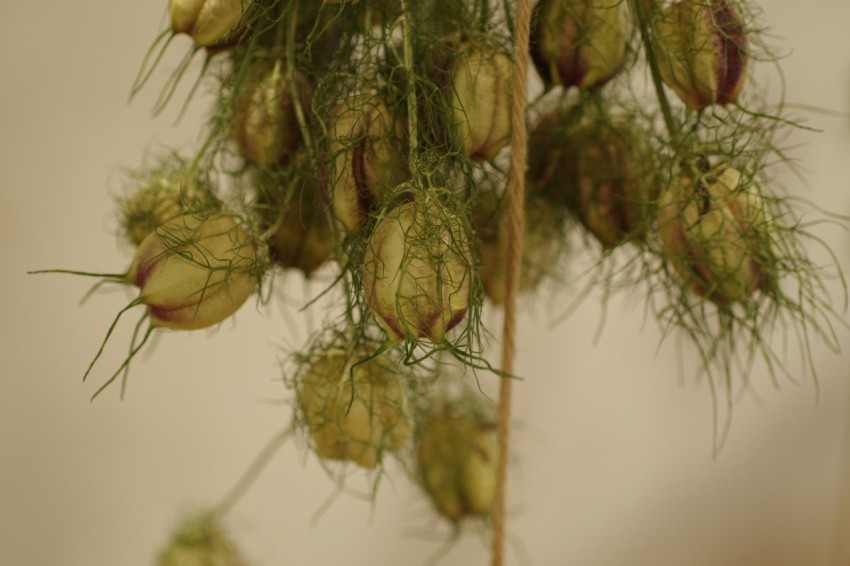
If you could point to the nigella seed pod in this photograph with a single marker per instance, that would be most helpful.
(201, 541)
(715, 232)
(702, 51)
(160, 200)
(303, 235)
(481, 88)
(194, 271)
(456, 457)
(578, 43)
(356, 416)
(543, 227)
(615, 183)
(266, 125)
(417, 271)
(367, 158)
(210, 23)
(600, 168)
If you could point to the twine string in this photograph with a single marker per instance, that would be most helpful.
(515, 230)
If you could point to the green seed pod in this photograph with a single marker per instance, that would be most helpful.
(357, 417)
(303, 235)
(601, 168)
(702, 51)
(194, 271)
(367, 158)
(481, 88)
(417, 271)
(715, 231)
(456, 457)
(210, 23)
(266, 127)
(200, 541)
(578, 43)
(159, 200)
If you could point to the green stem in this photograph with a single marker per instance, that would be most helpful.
(250, 476)
(642, 18)
(300, 116)
(412, 109)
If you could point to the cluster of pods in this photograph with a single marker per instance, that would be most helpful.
(371, 136)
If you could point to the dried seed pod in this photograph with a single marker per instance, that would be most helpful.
(194, 271)
(601, 168)
(200, 541)
(367, 154)
(481, 89)
(715, 231)
(456, 457)
(266, 126)
(578, 43)
(210, 23)
(702, 51)
(541, 242)
(161, 199)
(355, 416)
(417, 271)
(616, 182)
(303, 238)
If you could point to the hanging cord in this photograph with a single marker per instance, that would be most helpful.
(516, 221)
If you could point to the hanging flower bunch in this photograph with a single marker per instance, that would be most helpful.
(364, 145)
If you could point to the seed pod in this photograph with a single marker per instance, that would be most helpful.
(367, 158)
(715, 232)
(266, 126)
(303, 238)
(601, 168)
(540, 249)
(481, 88)
(417, 271)
(210, 23)
(702, 51)
(616, 183)
(456, 458)
(578, 42)
(194, 271)
(358, 424)
(200, 541)
(160, 200)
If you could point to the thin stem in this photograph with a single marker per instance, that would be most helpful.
(642, 18)
(412, 109)
(250, 476)
(300, 116)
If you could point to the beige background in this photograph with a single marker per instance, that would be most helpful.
(614, 446)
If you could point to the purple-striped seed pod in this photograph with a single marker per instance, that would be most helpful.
(702, 53)
(578, 43)
(194, 271)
